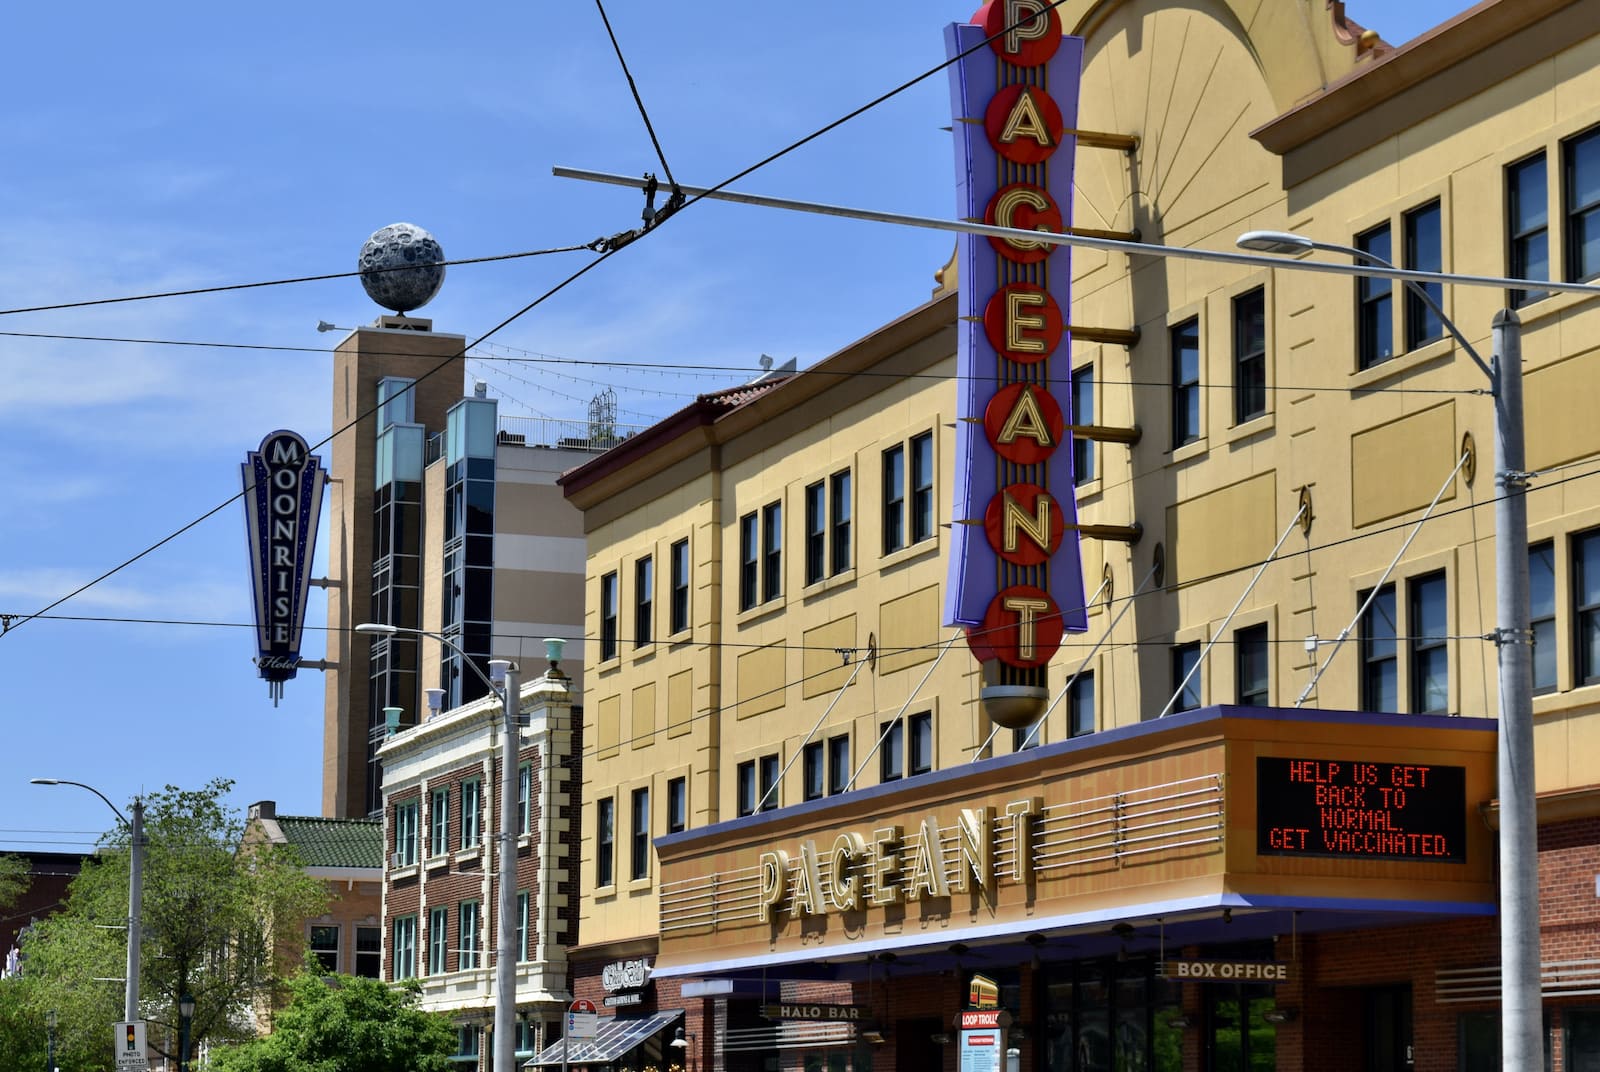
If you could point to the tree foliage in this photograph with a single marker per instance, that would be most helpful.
(212, 919)
(13, 880)
(344, 1023)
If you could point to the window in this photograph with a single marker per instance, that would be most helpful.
(838, 763)
(605, 835)
(438, 940)
(828, 527)
(1080, 705)
(467, 1042)
(1581, 170)
(405, 834)
(1082, 413)
(1024, 737)
(816, 531)
(922, 487)
(608, 617)
(1252, 666)
(469, 936)
(1586, 605)
(524, 794)
(749, 568)
(1186, 658)
(439, 822)
(677, 805)
(644, 587)
(891, 751)
(405, 947)
(839, 516)
(680, 587)
(1185, 339)
(1428, 622)
(1380, 672)
(639, 854)
(369, 952)
(771, 551)
(920, 727)
(746, 789)
(1249, 355)
(769, 782)
(522, 925)
(811, 761)
(894, 499)
(1424, 253)
(1528, 218)
(1374, 300)
(471, 813)
(325, 948)
(1542, 613)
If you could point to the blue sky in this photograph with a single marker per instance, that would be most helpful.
(193, 145)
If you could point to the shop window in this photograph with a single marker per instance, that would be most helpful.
(1528, 221)
(1374, 302)
(1249, 355)
(1586, 605)
(1185, 344)
(1239, 1037)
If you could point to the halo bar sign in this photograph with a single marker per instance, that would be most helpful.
(283, 498)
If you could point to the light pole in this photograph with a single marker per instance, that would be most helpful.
(185, 1020)
(502, 682)
(685, 1047)
(1521, 1013)
(130, 997)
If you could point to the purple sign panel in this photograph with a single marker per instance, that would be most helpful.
(282, 499)
(1016, 579)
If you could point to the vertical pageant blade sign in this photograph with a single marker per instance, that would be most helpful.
(1016, 579)
(282, 500)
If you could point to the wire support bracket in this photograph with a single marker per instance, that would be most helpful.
(652, 216)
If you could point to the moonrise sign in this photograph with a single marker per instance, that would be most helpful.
(282, 499)
(1016, 581)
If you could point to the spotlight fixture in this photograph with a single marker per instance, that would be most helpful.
(940, 1038)
(1283, 1014)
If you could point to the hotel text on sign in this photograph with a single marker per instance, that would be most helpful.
(1353, 808)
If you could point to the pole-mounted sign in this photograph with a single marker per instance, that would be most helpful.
(282, 497)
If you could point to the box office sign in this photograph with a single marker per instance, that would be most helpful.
(1227, 971)
(1016, 581)
(282, 499)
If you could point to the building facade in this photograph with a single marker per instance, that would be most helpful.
(442, 877)
(1254, 828)
(443, 517)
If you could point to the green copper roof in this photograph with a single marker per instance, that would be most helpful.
(334, 842)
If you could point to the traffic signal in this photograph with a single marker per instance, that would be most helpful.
(132, 1044)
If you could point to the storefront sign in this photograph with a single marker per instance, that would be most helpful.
(282, 498)
(631, 997)
(848, 1013)
(983, 1039)
(1227, 971)
(625, 974)
(1016, 580)
(1349, 808)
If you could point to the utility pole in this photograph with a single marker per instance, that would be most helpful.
(505, 969)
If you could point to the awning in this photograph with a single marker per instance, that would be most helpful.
(615, 1036)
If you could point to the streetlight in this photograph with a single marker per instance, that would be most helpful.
(185, 1019)
(682, 1045)
(1519, 829)
(130, 998)
(502, 682)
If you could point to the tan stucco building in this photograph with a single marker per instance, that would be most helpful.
(792, 794)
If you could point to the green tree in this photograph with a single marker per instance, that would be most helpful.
(347, 1024)
(13, 881)
(214, 922)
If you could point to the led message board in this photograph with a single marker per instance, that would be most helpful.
(1356, 809)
